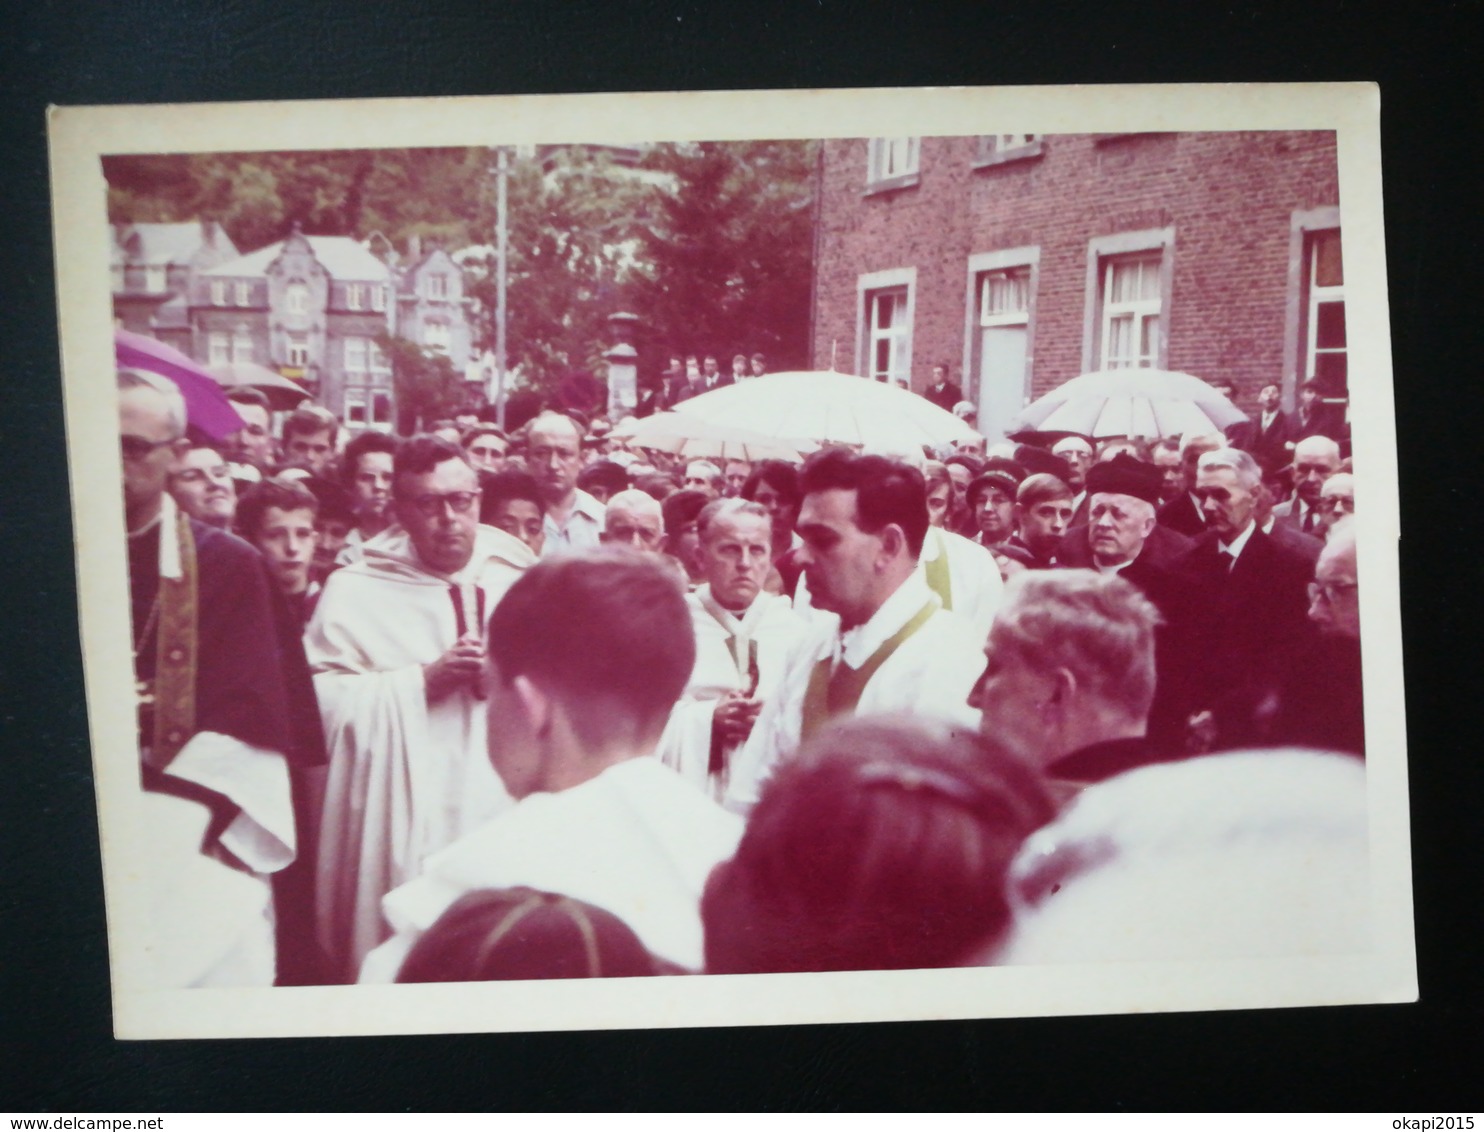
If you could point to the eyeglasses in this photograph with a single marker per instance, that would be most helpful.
(431, 506)
(1337, 505)
(137, 448)
(1330, 591)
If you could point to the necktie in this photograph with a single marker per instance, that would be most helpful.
(1308, 520)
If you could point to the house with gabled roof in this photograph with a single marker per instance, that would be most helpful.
(152, 268)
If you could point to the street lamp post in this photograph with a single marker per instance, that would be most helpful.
(502, 175)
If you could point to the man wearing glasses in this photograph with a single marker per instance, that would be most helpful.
(396, 646)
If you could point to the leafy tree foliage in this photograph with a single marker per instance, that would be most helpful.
(729, 254)
(425, 383)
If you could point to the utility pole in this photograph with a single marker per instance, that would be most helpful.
(502, 174)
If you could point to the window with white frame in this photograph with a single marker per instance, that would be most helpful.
(892, 160)
(298, 350)
(355, 355)
(242, 345)
(218, 292)
(1006, 147)
(296, 298)
(242, 295)
(1131, 294)
(437, 286)
(355, 296)
(1325, 358)
(1005, 297)
(154, 277)
(377, 359)
(436, 336)
(218, 348)
(888, 335)
(378, 298)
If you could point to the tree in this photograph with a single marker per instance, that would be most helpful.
(728, 259)
(426, 385)
(574, 226)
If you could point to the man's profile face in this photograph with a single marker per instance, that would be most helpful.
(1308, 398)
(554, 457)
(995, 514)
(487, 453)
(311, 450)
(1117, 527)
(839, 559)
(439, 510)
(1078, 455)
(253, 443)
(626, 525)
(287, 540)
(523, 519)
(1043, 524)
(151, 449)
(1010, 696)
(1226, 504)
(1334, 601)
(372, 485)
(202, 485)
(1312, 465)
(735, 558)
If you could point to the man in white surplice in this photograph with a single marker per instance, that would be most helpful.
(890, 646)
(396, 647)
(587, 655)
(743, 637)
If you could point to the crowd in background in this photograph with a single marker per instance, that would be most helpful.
(534, 702)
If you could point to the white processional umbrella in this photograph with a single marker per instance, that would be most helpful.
(696, 439)
(832, 408)
(1130, 402)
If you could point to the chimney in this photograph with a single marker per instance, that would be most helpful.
(414, 247)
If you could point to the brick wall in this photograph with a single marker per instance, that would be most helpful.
(1229, 197)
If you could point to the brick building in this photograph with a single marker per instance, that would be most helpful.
(1021, 260)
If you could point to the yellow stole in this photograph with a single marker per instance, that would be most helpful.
(174, 691)
(832, 693)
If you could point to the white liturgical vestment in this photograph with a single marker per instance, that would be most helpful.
(930, 673)
(405, 778)
(729, 650)
(635, 841)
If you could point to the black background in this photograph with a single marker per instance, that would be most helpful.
(58, 1052)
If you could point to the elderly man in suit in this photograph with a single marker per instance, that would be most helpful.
(1315, 459)
(1243, 607)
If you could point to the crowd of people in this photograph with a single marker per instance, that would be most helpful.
(487, 704)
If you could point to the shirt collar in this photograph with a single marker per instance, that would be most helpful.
(1238, 543)
(855, 646)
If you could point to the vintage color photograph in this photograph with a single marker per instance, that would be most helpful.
(796, 576)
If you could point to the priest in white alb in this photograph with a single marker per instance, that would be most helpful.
(890, 645)
(396, 646)
(743, 638)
